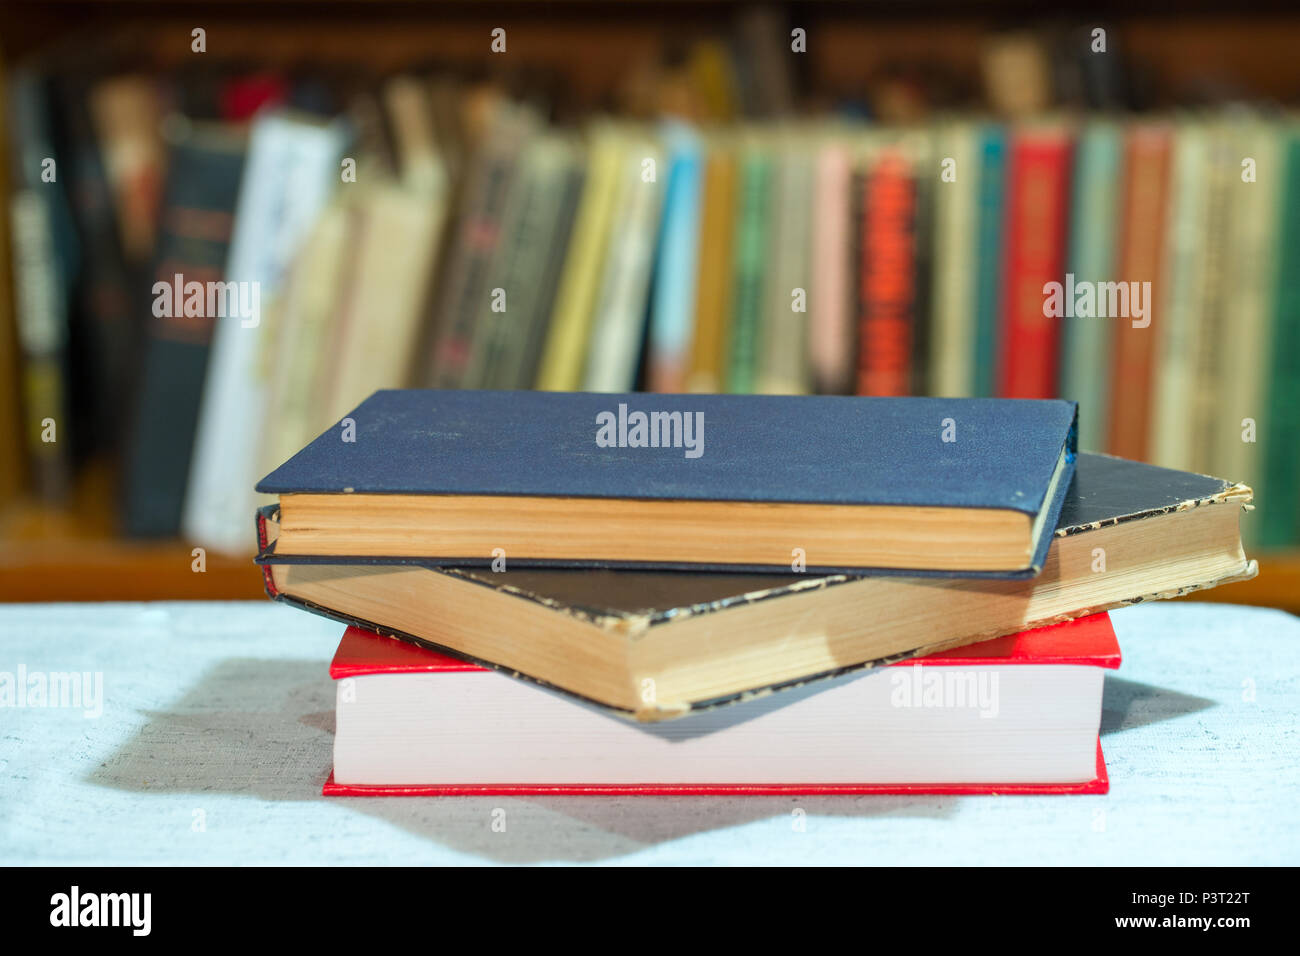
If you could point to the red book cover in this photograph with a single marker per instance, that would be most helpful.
(1038, 208)
(887, 278)
(1088, 641)
(1146, 187)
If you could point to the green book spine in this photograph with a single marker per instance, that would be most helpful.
(750, 265)
(1280, 503)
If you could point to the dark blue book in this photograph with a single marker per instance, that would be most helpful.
(968, 487)
(205, 162)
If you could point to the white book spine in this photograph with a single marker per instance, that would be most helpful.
(290, 172)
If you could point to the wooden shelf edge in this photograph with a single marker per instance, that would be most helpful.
(120, 571)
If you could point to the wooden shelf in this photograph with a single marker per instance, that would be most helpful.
(121, 571)
(73, 553)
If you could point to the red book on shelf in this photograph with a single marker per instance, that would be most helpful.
(1017, 714)
(888, 278)
(1038, 207)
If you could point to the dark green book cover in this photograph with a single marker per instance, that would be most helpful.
(1280, 501)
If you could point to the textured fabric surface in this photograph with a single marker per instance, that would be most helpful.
(216, 728)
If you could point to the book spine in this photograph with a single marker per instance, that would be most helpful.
(13, 462)
(888, 278)
(988, 260)
(1280, 524)
(1209, 369)
(830, 315)
(306, 315)
(569, 189)
(104, 328)
(713, 299)
(1037, 208)
(621, 310)
(783, 367)
(198, 214)
(289, 175)
(1255, 235)
(385, 299)
(676, 271)
(41, 251)
(126, 111)
(923, 271)
(572, 316)
(1146, 184)
(1173, 383)
(467, 288)
(953, 321)
(753, 214)
(518, 258)
(1085, 363)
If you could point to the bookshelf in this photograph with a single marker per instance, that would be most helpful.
(73, 553)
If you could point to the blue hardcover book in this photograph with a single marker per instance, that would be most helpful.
(966, 487)
(988, 246)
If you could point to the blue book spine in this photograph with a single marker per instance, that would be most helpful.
(672, 315)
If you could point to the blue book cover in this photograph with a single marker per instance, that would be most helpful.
(988, 251)
(926, 464)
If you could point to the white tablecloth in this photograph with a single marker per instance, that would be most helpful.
(216, 729)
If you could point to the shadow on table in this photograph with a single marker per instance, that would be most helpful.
(264, 729)
(1126, 704)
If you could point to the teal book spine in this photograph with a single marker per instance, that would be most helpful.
(988, 258)
(1085, 362)
(672, 318)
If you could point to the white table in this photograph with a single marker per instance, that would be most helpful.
(216, 728)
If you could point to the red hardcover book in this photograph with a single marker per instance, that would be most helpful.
(1046, 695)
(1146, 188)
(1038, 208)
(888, 278)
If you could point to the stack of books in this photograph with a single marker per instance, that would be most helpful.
(700, 593)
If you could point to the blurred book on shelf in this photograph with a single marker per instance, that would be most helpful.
(230, 257)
